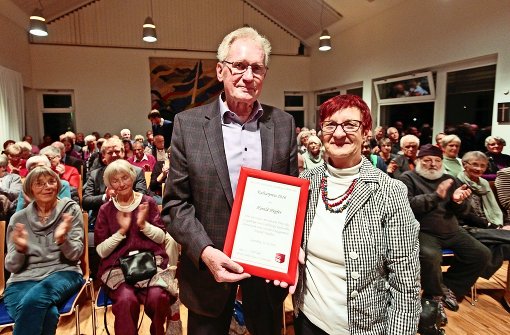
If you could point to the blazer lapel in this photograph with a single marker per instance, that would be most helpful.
(214, 138)
(266, 125)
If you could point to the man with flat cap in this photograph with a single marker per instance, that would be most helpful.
(437, 199)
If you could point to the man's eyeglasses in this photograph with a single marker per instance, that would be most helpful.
(350, 126)
(41, 184)
(239, 68)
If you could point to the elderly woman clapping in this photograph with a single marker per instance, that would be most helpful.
(131, 222)
(44, 244)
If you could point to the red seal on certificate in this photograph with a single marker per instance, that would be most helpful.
(279, 258)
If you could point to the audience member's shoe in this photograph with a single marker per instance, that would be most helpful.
(450, 300)
(442, 313)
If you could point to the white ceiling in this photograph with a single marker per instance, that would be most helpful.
(302, 18)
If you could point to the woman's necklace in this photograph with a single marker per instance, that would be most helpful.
(127, 205)
(337, 204)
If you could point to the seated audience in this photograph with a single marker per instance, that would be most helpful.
(125, 134)
(405, 162)
(89, 148)
(32, 163)
(80, 140)
(313, 154)
(497, 159)
(128, 149)
(158, 150)
(69, 159)
(379, 134)
(437, 200)
(131, 221)
(142, 160)
(385, 151)
(69, 147)
(10, 189)
(95, 191)
(35, 148)
(47, 140)
(26, 149)
(158, 177)
(450, 144)
(64, 172)
(16, 164)
(439, 138)
(394, 135)
(44, 245)
(376, 160)
(302, 140)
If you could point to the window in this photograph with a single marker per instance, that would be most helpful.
(295, 106)
(57, 113)
(470, 96)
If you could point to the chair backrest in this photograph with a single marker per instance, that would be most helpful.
(84, 259)
(2, 257)
(148, 178)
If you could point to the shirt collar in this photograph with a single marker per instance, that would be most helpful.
(144, 158)
(228, 116)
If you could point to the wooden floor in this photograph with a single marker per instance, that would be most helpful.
(487, 317)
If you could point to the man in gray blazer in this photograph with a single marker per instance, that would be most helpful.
(209, 145)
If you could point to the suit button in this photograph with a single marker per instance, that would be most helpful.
(354, 294)
(355, 275)
(353, 255)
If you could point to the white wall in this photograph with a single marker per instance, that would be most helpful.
(14, 50)
(419, 35)
(112, 86)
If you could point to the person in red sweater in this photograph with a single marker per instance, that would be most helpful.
(65, 172)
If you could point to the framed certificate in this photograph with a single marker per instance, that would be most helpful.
(266, 224)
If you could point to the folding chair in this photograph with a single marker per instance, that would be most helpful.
(71, 305)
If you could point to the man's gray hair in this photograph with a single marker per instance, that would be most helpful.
(244, 32)
(409, 138)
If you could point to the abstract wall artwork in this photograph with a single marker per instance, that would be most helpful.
(178, 84)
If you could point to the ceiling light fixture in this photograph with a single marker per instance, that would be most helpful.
(38, 23)
(325, 38)
(149, 29)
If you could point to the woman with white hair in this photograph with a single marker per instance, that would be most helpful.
(302, 140)
(89, 148)
(450, 144)
(497, 159)
(313, 155)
